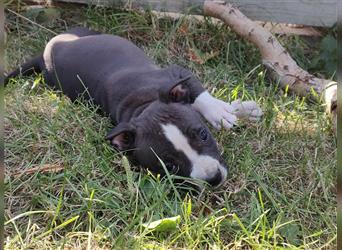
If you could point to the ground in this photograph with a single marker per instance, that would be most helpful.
(281, 188)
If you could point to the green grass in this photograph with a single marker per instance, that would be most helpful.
(281, 189)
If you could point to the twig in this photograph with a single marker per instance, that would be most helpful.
(47, 168)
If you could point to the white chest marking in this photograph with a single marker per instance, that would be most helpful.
(204, 167)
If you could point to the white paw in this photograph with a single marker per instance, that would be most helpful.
(247, 110)
(218, 113)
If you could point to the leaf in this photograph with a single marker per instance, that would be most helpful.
(315, 63)
(200, 58)
(329, 44)
(330, 66)
(325, 56)
(195, 57)
(292, 233)
(48, 15)
(183, 29)
(42, 15)
(166, 224)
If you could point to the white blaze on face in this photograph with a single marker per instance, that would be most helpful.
(204, 167)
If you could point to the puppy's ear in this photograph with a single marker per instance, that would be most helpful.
(122, 137)
(178, 92)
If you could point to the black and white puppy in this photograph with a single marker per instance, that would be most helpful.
(156, 110)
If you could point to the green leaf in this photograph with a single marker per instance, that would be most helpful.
(43, 15)
(292, 233)
(315, 62)
(330, 66)
(329, 44)
(166, 224)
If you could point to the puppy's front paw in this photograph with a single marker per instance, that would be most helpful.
(247, 110)
(218, 113)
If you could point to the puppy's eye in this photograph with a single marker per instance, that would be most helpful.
(203, 134)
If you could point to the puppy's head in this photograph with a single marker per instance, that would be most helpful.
(178, 136)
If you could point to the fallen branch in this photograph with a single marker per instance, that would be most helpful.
(275, 57)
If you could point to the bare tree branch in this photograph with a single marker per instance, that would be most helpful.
(275, 57)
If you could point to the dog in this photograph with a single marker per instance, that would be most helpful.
(157, 111)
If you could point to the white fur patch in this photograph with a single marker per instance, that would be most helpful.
(247, 110)
(204, 167)
(218, 113)
(49, 64)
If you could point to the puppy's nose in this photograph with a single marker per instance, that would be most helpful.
(214, 181)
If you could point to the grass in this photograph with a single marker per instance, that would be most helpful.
(281, 189)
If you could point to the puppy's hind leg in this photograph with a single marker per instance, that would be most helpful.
(32, 66)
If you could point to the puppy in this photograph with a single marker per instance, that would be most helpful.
(157, 111)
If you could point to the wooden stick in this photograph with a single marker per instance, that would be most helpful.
(275, 57)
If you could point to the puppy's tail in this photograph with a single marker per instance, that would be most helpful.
(32, 66)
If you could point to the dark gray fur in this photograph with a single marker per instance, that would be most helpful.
(136, 94)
